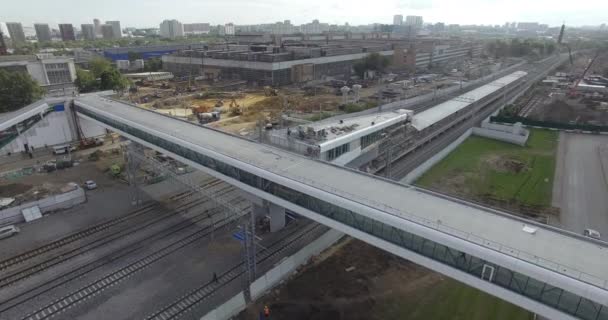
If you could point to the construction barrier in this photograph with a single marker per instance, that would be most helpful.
(65, 200)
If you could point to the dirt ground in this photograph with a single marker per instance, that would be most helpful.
(353, 280)
(325, 290)
(565, 110)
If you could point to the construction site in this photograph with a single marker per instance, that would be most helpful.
(576, 95)
(243, 106)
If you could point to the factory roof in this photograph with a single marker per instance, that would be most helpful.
(441, 111)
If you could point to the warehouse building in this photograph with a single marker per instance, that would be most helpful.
(276, 65)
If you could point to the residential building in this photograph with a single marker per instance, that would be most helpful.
(43, 32)
(171, 29)
(97, 24)
(3, 48)
(284, 27)
(67, 32)
(315, 27)
(414, 21)
(88, 31)
(397, 20)
(15, 31)
(196, 28)
(229, 29)
(107, 31)
(528, 26)
(116, 31)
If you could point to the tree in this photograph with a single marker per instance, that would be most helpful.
(112, 80)
(85, 81)
(17, 89)
(373, 61)
(154, 64)
(98, 65)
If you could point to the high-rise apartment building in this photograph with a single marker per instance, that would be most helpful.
(107, 31)
(397, 20)
(196, 28)
(171, 29)
(88, 31)
(116, 31)
(15, 30)
(43, 32)
(97, 24)
(67, 32)
(414, 21)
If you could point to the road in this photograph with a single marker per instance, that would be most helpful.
(581, 187)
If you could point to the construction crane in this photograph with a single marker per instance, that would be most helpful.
(561, 43)
(572, 92)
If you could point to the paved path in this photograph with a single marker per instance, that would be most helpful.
(581, 187)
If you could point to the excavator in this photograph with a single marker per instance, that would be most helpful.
(270, 92)
(235, 108)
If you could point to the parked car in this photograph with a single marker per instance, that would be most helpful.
(592, 233)
(90, 185)
(8, 231)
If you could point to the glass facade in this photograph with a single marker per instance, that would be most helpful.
(554, 297)
(337, 151)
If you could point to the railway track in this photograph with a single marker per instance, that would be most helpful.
(79, 235)
(89, 232)
(187, 302)
(95, 287)
(24, 273)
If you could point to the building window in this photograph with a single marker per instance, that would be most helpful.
(337, 151)
(370, 138)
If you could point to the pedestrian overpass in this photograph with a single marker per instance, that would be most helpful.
(551, 272)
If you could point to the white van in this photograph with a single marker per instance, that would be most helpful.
(63, 149)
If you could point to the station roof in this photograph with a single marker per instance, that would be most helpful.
(427, 118)
(9, 119)
(547, 246)
(355, 127)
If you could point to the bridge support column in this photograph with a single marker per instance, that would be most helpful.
(262, 208)
(277, 217)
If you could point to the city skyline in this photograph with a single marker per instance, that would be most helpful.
(269, 11)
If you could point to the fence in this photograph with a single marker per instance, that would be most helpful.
(61, 201)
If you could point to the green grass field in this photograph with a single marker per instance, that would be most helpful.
(449, 300)
(482, 167)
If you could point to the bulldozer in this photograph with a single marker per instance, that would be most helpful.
(235, 108)
(270, 92)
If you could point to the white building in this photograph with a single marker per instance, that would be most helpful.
(229, 29)
(116, 31)
(397, 19)
(414, 21)
(196, 28)
(171, 29)
(49, 71)
(123, 65)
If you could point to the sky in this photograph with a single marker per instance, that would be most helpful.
(149, 13)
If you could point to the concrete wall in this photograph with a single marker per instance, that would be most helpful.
(503, 136)
(424, 167)
(54, 129)
(61, 201)
(274, 276)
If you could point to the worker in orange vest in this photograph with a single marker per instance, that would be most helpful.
(266, 312)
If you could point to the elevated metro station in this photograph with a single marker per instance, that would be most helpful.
(551, 272)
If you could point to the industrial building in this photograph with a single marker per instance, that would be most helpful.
(306, 60)
(51, 72)
(148, 52)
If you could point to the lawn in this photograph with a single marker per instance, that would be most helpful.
(482, 168)
(449, 300)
